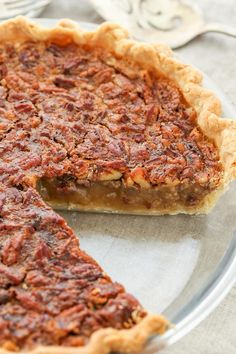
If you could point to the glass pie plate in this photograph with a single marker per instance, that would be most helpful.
(181, 266)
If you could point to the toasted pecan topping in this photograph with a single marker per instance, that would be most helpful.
(73, 113)
(65, 111)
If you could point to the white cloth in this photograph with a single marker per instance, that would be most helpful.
(215, 55)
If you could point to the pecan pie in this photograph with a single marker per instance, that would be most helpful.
(93, 121)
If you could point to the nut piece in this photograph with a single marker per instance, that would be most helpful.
(110, 175)
(138, 176)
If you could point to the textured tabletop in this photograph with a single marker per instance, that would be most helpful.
(216, 56)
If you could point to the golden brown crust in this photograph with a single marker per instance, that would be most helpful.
(108, 340)
(157, 58)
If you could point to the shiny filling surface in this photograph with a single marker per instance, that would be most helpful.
(81, 112)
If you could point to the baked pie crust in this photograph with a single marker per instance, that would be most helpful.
(199, 104)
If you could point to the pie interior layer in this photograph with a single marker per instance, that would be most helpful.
(92, 114)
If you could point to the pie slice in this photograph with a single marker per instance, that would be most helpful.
(93, 121)
(53, 294)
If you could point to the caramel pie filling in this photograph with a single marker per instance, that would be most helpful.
(112, 196)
